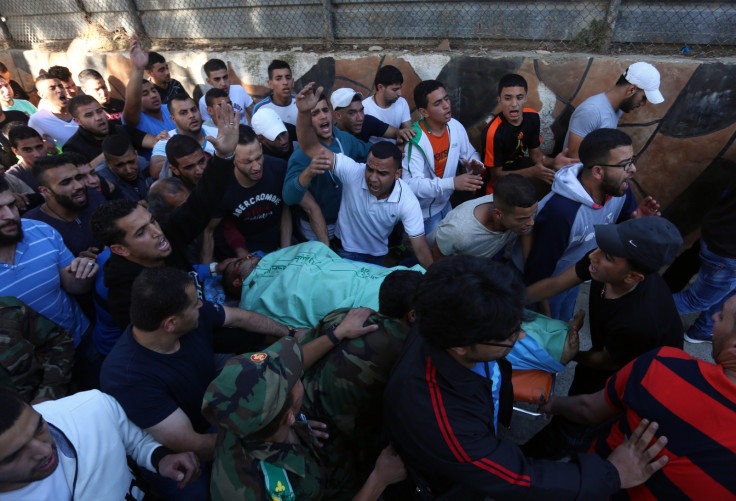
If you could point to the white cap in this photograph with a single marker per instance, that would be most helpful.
(267, 123)
(343, 97)
(646, 77)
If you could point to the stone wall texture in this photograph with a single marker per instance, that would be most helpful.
(685, 146)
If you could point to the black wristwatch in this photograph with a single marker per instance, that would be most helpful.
(330, 333)
(292, 331)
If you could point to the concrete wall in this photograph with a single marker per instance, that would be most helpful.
(685, 145)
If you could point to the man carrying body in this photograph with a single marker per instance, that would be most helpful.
(94, 128)
(122, 169)
(439, 413)
(638, 84)
(158, 71)
(486, 225)
(76, 448)
(351, 117)
(143, 108)
(433, 154)
(512, 138)
(375, 197)
(94, 85)
(688, 397)
(273, 134)
(625, 291)
(387, 104)
(317, 220)
(69, 203)
(10, 103)
(188, 122)
(280, 99)
(595, 191)
(218, 76)
(54, 122)
(253, 202)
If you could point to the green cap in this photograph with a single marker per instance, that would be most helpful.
(252, 388)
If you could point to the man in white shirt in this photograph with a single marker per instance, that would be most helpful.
(54, 122)
(387, 104)
(281, 99)
(218, 76)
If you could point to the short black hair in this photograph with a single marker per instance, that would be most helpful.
(79, 100)
(154, 58)
(277, 64)
(45, 76)
(512, 80)
(88, 74)
(423, 90)
(11, 407)
(386, 149)
(60, 72)
(11, 125)
(180, 97)
(76, 158)
(22, 132)
(4, 186)
(180, 146)
(212, 94)
(158, 293)
(514, 190)
(396, 295)
(43, 164)
(104, 222)
(116, 145)
(595, 149)
(246, 135)
(388, 75)
(214, 65)
(463, 300)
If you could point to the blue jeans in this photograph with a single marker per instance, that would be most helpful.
(363, 258)
(433, 222)
(562, 306)
(715, 283)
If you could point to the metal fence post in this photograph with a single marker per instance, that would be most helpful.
(611, 16)
(5, 36)
(329, 18)
(139, 28)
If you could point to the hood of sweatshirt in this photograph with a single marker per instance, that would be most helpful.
(568, 185)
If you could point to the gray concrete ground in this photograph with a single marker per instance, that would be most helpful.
(524, 426)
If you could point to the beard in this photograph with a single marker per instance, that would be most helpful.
(12, 239)
(628, 104)
(611, 187)
(68, 202)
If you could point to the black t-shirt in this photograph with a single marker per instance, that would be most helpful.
(506, 144)
(84, 143)
(175, 87)
(372, 127)
(114, 111)
(14, 116)
(629, 326)
(256, 211)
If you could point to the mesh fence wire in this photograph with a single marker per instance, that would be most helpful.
(591, 25)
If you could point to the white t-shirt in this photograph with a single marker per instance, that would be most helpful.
(287, 113)
(52, 487)
(240, 99)
(51, 127)
(460, 232)
(394, 115)
(364, 223)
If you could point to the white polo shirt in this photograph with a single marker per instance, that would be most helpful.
(394, 115)
(364, 222)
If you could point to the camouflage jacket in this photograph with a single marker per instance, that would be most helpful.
(236, 472)
(36, 355)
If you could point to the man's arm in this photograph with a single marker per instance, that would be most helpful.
(306, 100)
(253, 322)
(77, 278)
(548, 287)
(436, 252)
(207, 251)
(316, 219)
(573, 144)
(589, 409)
(55, 351)
(597, 360)
(139, 60)
(421, 249)
(176, 433)
(156, 165)
(350, 328)
(286, 228)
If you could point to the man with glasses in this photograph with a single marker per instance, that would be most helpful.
(440, 414)
(595, 191)
(638, 84)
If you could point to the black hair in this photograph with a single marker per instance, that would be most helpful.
(157, 204)
(464, 299)
(60, 72)
(11, 125)
(79, 100)
(388, 75)
(595, 149)
(423, 90)
(116, 145)
(214, 65)
(212, 94)
(512, 80)
(514, 190)
(622, 82)
(4, 186)
(87, 75)
(75, 158)
(179, 97)
(22, 132)
(158, 293)
(45, 76)
(41, 165)
(3, 68)
(180, 146)
(246, 135)
(386, 149)
(154, 58)
(12, 406)
(104, 222)
(277, 64)
(397, 292)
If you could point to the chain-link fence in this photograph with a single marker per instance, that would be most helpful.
(590, 25)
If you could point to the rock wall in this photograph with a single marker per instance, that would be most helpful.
(685, 146)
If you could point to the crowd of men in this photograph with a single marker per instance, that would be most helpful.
(198, 282)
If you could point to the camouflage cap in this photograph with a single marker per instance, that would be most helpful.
(252, 388)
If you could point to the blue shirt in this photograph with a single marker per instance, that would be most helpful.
(34, 277)
(154, 126)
